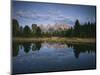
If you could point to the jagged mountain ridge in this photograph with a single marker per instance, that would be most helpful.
(58, 27)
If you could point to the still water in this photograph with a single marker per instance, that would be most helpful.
(48, 57)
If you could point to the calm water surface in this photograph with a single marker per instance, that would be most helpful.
(46, 57)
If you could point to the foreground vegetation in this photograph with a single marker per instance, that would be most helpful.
(55, 39)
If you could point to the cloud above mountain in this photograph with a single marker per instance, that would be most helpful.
(54, 16)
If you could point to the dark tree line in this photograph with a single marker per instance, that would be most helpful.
(85, 30)
(79, 30)
(19, 31)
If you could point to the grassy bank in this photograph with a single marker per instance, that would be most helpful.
(55, 39)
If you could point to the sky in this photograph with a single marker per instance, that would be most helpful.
(28, 13)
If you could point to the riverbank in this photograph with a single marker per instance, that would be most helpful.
(55, 39)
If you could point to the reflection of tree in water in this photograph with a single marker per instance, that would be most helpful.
(82, 48)
(15, 49)
(70, 45)
(27, 47)
(78, 48)
(36, 46)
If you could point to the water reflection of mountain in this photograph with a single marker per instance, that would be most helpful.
(55, 45)
(77, 48)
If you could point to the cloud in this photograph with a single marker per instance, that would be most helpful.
(65, 21)
(26, 14)
(54, 16)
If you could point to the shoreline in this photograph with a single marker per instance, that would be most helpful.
(54, 39)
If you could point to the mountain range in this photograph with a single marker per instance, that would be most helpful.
(55, 27)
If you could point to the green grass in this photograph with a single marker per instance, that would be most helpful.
(55, 39)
